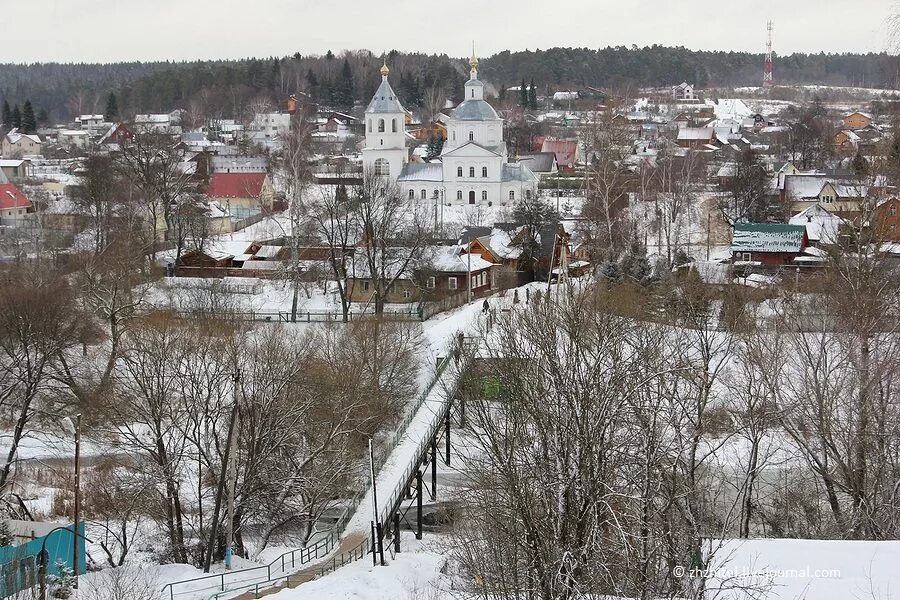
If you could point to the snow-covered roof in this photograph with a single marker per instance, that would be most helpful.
(518, 172)
(799, 186)
(696, 133)
(474, 110)
(821, 225)
(421, 172)
(767, 237)
(454, 259)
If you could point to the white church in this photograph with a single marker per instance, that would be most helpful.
(473, 167)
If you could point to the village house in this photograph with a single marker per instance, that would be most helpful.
(768, 245)
(846, 141)
(241, 194)
(856, 120)
(17, 145)
(566, 151)
(14, 206)
(887, 221)
(696, 138)
(822, 226)
(441, 272)
(16, 167)
(79, 139)
(542, 164)
(684, 92)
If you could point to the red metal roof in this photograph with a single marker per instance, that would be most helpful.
(236, 185)
(11, 197)
(565, 150)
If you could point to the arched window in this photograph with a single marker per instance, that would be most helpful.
(370, 125)
(454, 136)
(473, 93)
(471, 171)
(484, 171)
(512, 194)
(412, 195)
(380, 125)
(484, 195)
(528, 194)
(424, 194)
(459, 171)
(382, 167)
(394, 125)
(472, 197)
(471, 136)
(459, 194)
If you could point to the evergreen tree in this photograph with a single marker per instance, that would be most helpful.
(340, 194)
(7, 114)
(16, 116)
(6, 536)
(112, 108)
(42, 116)
(29, 121)
(435, 145)
(532, 97)
(523, 95)
(343, 90)
(501, 95)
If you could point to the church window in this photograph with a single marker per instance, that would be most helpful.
(473, 93)
(424, 194)
(484, 171)
(471, 171)
(472, 197)
(382, 167)
(370, 125)
(380, 125)
(459, 194)
(471, 136)
(893, 209)
(512, 194)
(459, 171)
(484, 195)
(412, 194)
(394, 125)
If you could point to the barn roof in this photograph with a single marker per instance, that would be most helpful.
(236, 185)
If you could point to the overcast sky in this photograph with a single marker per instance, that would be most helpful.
(114, 30)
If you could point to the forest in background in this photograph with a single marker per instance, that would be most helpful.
(228, 89)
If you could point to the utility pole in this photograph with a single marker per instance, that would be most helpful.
(233, 445)
(77, 509)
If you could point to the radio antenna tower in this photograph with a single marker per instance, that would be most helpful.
(768, 69)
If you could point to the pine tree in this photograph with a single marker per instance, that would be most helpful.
(7, 114)
(29, 121)
(16, 117)
(343, 93)
(532, 96)
(6, 536)
(523, 95)
(112, 108)
(61, 584)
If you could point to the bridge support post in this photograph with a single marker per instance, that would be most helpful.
(447, 437)
(374, 546)
(419, 504)
(379, 529)
(434, 469)
(396, 532)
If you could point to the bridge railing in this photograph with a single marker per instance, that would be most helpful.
(219, 583)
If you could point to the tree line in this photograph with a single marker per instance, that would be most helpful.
(340, 80)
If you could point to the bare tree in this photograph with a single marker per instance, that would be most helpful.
(393, 233)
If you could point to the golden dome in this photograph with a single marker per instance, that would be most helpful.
(473, 62)
(384, 70)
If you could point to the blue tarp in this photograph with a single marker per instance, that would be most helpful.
(19, 564)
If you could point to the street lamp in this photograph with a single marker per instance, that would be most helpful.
(42, 572)
(75, 428)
